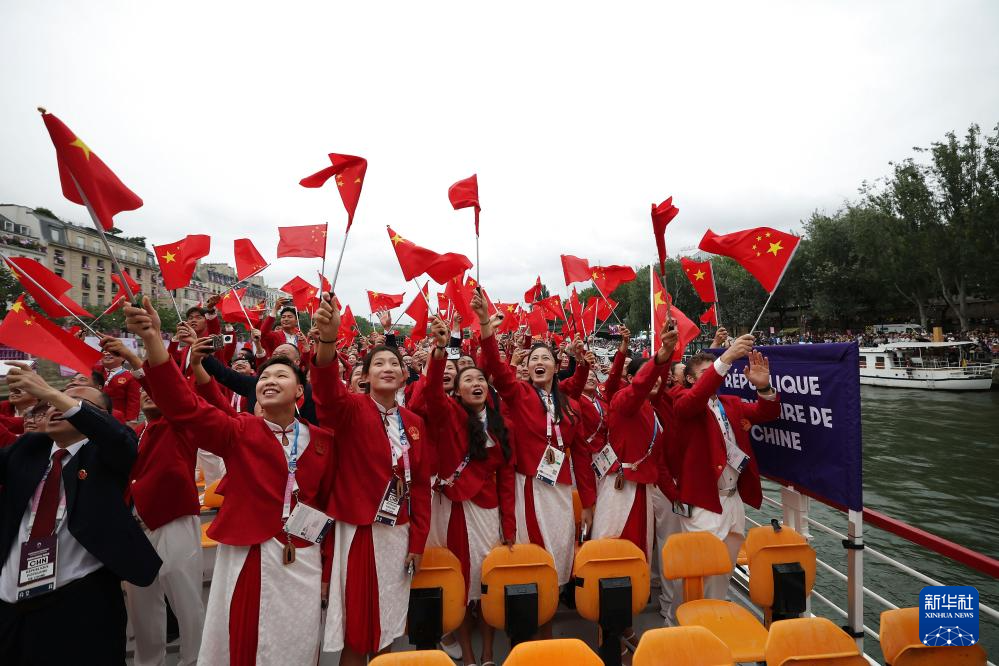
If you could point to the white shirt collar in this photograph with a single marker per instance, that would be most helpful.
(71, 450)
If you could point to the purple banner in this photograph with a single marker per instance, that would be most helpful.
(816, 443)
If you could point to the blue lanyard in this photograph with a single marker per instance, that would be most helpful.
(404, 442)
(727, 426)
(293, 457)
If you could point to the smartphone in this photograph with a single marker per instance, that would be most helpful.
(218, 341)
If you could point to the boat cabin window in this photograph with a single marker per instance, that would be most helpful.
(863, 361)
(879, 362)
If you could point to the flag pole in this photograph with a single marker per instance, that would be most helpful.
(109, 308)
(322, 266)
(100, 232)
(339, 260)
(776, 287)
(477, 280)
(248, 277)
(753, 327)
(652, 310)
(608, 303)
(245, 313)
(174, 301)
(421, 292)
(45, 291)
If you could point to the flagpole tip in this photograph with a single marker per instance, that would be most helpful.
(42, 110)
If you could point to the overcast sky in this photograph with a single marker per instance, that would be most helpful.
(575, 115)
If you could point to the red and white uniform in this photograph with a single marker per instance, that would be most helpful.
(164, 497)
(260, 610)
(123, 389)
(474, 506)
(544, 512)
(369, 586)
(270, 338)
(636, 437)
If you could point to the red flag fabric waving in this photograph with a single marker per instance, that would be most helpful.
(36, 280)
(465, 194)
(348, 325)
(303, 295)
(133, 286)
(701, 277)
(444, 304)
(380, 302)
(229, 308)
(663, 305)
(552, 307)
(304, 241)
(80, 170)
(710, 316)
(599, 309)
(419, 310)
(511, 320)
(248, 260)
(534, 293)
(608, 278)
(762, 251)
(536, 322)
(27, 331)
(461, 297)
(349, 171)
(415, 260)
(662, 215)
(179, 259)
(575, 269)
(576, 313)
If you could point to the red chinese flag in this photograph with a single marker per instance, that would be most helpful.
(552, 307)
(510, 318)
(305, 241)
(415, 260)
(444, 305)
(686, 329)
(710, 316)
(133, 286)
(325, 285)
(118, 301)
(178, 260)
(575, 269)
(81, 171)
(461, 298)
(662, 215)
(27, 331)
(248, 260)
(762, 251)
(701, 277)
(603, 309)
(229, 308)
(302, 293)
(536, 321)
(381, 302)
(420, 313)
(349, 171)
(465, 194)
(348, 325)
(534, 293)
(576, 312)
(37, 280)
(608, 278)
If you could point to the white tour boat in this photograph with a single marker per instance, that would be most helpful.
(931, 365)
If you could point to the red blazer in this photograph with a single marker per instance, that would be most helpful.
(10, 431)
(363, 457)
(161, 482)
(631, 424)
(594, 414)
(224, 355)
(703, 448)
(529, 418)
(270, 339)
(256, 467)
(613, 382)
(7, 408)
(490, 482)
(123, 390)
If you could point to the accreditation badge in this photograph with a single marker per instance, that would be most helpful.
(604, 461)
(37, 571)
(388, 510)
(550, 465)
(308, 524)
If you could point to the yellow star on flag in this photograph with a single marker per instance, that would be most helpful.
(699, 275)
(374, 294)
(169, 257)
(768, 234)
(774, 248)
(759, 238)
(754, 247)
(757, 254)
(17, 307)
(659, 300)
(28, 321)
(396, 239)
(82, 146)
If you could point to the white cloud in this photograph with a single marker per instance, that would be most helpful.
(576, 117)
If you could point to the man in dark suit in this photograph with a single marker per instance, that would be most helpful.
(67, 538)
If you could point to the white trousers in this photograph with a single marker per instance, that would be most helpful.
(730, 527)
(178, 543)
(667, 523)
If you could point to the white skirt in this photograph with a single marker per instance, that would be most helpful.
(556, 522)
(289, 625)
(391, 546)
(483, 529)
(613, 508)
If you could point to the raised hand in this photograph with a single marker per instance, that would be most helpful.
(440, 332)
(117, 347)
(201, 348)
(757, 371)
(625, 339)
(721, 337)
(669, 336)
(327, 320)
(144, 322)
(385, 318)
(738, 349)
(479, 306)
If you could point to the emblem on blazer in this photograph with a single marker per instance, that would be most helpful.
(746, 425)
(122, 380)
(82, 475)
(320, 448)
(414, 433)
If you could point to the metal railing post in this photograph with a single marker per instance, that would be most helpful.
(854, 544)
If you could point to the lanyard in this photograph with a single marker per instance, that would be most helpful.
(600, 415)
(289, 487)
(724, 422)
(546, 400)
(450, 481)
(656, 429)
(404, 442)
(37, 498)
(112, 375)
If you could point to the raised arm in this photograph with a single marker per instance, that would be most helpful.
(767, 408)
(433, 392)
(504, 379)
(574, 385)
(334, 407)
(244, 385)
(613, 382)
(691, 403)
(629, 399)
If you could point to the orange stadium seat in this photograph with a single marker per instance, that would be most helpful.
(440, 568)
(413, 658)
(554, 652)
(692, 557)
(681, 646)
(901, 646)
(211, 499)
(811, 641)
(206, 541)
(524, 564)
(766, 547)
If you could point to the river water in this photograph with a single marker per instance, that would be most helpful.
(931, 459)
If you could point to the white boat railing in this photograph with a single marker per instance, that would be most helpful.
(794, 508)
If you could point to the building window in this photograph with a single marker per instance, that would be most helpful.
(86, 299)
(57, 258)
(85, 281)
(100, 299)
(100, 283)
(81, 242)
(100, 265)
(84, 261)
(138, 273)
(97, 247)
(58, 272)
